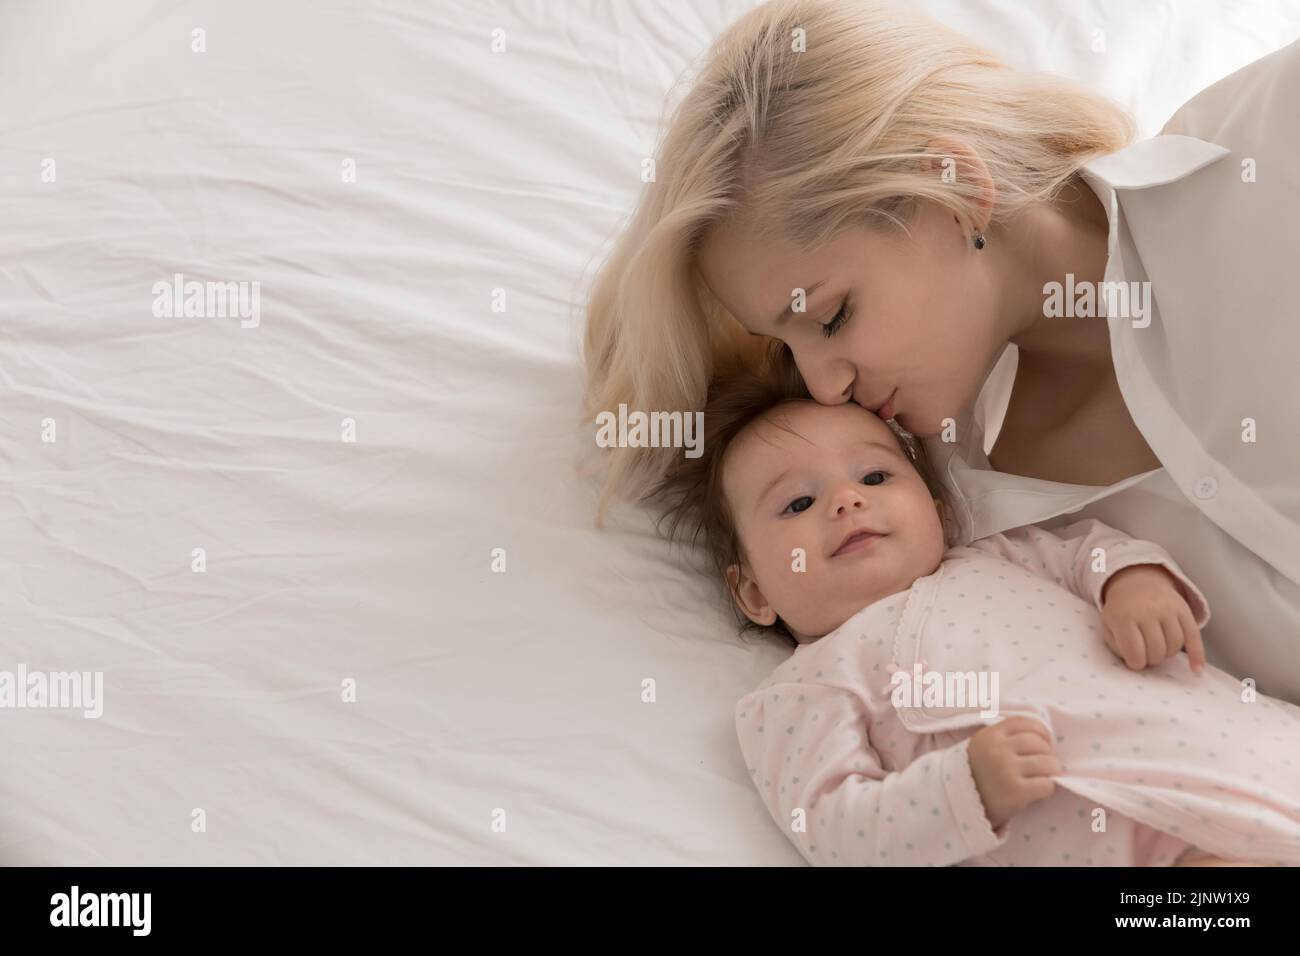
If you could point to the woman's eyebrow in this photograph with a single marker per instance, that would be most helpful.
(789, 309)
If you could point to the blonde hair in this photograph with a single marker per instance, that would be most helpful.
(694, 510)
(817, 141)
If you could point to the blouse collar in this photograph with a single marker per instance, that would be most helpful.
(986, 501)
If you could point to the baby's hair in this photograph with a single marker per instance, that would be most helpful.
(694, 510)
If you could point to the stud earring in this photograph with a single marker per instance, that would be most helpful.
(979, 240)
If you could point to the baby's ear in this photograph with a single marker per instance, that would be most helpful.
(745, 592)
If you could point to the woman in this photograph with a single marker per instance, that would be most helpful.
(1075, 326)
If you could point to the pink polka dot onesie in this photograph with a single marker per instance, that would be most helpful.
(1159, 764)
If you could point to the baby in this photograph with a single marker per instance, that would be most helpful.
(1108, 740)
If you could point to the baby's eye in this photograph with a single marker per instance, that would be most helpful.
(800, 504)
(867, 478)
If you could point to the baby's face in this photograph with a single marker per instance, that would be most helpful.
(840, 474)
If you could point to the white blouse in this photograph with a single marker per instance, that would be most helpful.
(1209, 214)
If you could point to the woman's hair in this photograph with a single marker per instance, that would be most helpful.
(693, 509)
(808, 141)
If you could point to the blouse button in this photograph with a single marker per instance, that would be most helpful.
(1206, 487)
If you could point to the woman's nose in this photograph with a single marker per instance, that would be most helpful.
(827, 384)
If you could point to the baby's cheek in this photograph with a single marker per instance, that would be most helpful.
(794, 579)
(808, 599)
(925, 530)
(791, 572)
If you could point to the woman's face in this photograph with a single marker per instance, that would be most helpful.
(886, 313)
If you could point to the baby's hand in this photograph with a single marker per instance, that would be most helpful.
(1146, 620)
(1012, 763)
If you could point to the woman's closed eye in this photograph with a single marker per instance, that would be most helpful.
(836, 323)
(804, 502)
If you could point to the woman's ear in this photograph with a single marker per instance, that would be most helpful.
(748, 597)
(956, 161)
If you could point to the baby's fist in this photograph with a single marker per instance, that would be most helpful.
(1013, 764)
(1146, 620)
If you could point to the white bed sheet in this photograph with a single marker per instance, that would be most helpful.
(477, 692)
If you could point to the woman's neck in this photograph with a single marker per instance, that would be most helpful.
(1066, 242)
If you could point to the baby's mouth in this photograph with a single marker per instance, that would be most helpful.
(857, 541)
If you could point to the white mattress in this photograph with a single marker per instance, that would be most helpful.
(328, 560)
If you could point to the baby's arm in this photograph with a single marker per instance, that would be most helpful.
(1150, 608)
(1084, 555)
(806, 749)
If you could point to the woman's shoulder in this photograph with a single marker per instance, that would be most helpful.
(1243, 98)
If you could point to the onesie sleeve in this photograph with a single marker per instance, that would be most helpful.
(807, 750)
(1082, 556)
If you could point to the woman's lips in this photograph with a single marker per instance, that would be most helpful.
(886, 411)
(856, 543)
